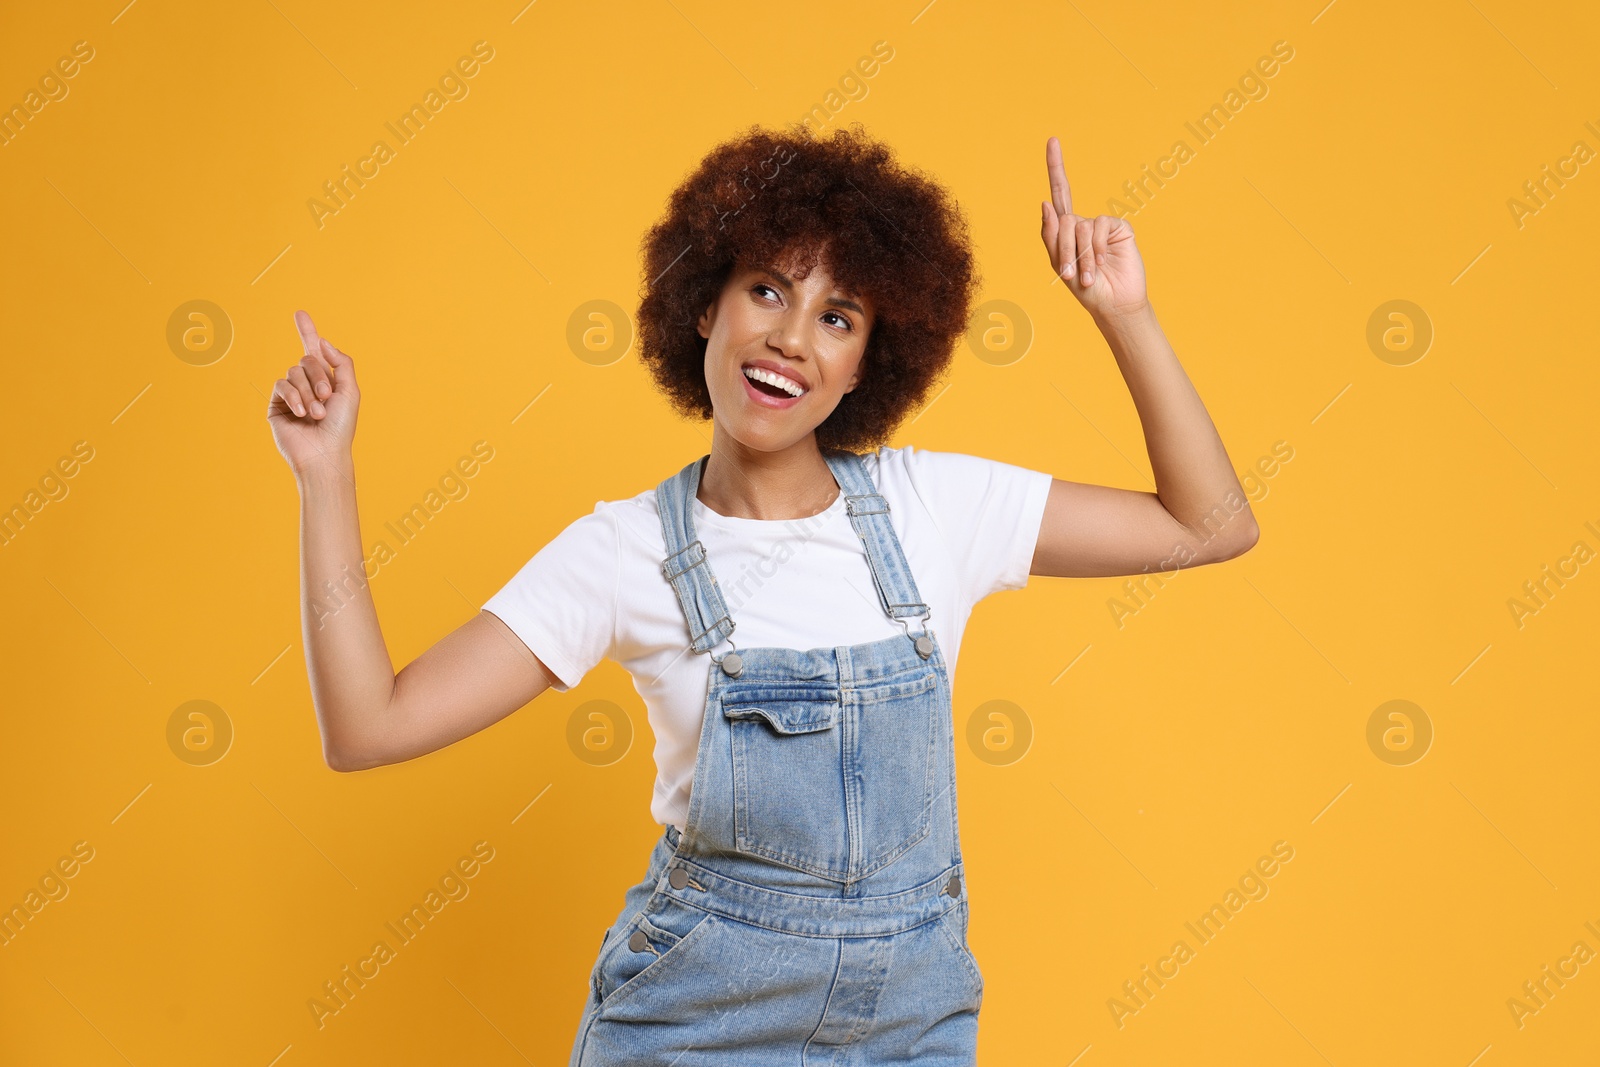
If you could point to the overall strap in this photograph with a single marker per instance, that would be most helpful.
(869, 514)
(686, 566)
(689, 571)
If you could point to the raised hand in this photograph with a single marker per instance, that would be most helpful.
(312, 409)
(1097, 256)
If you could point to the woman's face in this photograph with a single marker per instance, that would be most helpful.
(802, 329)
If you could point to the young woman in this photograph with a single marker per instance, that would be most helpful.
(806, 895)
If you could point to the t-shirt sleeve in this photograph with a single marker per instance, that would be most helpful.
(563, 602)
(989, 513)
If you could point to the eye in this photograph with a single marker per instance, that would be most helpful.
(844, 320)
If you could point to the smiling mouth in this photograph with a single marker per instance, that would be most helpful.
(767, 382)
(770, 391)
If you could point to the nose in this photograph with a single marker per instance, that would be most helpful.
(787, 335)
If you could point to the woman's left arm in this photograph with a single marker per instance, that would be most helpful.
(1198, 513)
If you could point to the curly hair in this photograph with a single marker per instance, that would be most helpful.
(885, 231)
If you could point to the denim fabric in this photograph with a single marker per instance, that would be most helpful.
(812, 911)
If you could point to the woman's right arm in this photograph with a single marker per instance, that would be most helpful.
(370, 716)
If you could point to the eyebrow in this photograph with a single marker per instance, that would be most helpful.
(835, 301)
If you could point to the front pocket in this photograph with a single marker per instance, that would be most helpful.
(954, 924)
(594, 972)
(644, 946)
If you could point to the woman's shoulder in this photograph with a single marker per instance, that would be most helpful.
(947, 484)
(912, 465)
(636, 521)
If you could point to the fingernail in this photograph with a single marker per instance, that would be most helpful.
(1068, 271)
(322, 388)
(316, 409)
(1087, 277)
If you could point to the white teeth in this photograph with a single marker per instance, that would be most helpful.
(760, 374)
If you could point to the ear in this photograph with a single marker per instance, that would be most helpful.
(707, 318)
(856, 377)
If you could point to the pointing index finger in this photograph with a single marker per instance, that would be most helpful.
(1060, 188)
(308, 333)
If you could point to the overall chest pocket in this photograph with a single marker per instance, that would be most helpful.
(838, 783)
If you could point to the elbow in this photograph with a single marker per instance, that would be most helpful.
(350, 741)
(1220, 548)
(335, 752)
(1247, 538)
(1250, 538)
(1241, 535)
(344, 761)
(344, 764)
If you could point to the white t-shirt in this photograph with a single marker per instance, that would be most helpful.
(968, 527)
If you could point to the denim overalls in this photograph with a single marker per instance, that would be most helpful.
(812, 911)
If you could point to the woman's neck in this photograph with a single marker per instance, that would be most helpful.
(745, 483)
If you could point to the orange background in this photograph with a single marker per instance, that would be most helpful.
(1229, 713)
